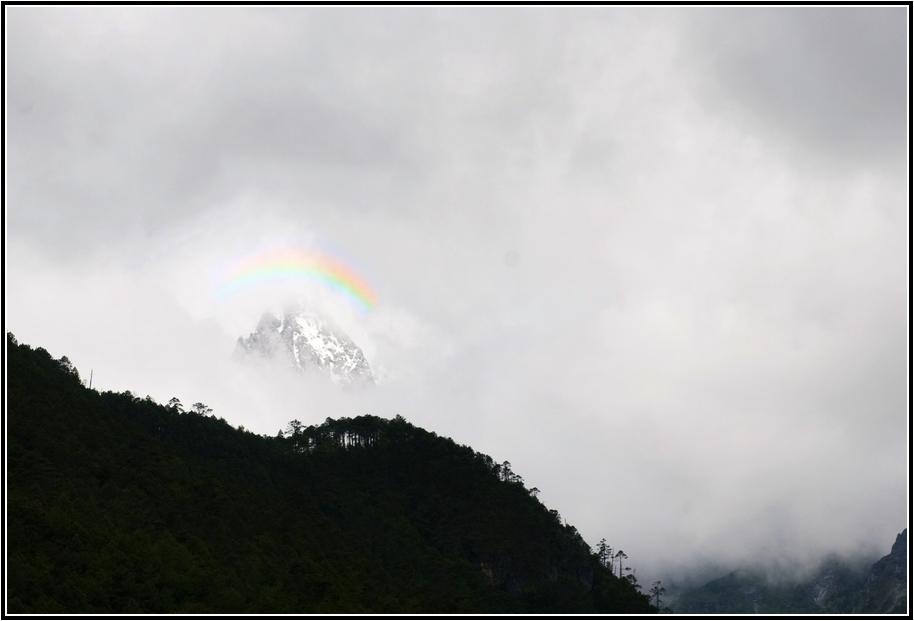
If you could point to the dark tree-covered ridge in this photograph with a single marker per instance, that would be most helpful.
(118, 504)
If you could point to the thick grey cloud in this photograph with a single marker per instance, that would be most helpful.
(609, 245)
(833, 80)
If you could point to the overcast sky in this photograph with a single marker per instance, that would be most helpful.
(656, 258)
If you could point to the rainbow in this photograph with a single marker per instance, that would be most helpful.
(293, 263)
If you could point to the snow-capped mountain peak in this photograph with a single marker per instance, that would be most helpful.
(307, 342)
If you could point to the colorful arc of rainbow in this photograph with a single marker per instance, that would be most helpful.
(295, 264)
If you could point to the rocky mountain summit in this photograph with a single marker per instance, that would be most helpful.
(306, 342)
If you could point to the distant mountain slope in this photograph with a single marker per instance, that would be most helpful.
(120, 505)
(886, 587)
(307, 342)
(836, 587)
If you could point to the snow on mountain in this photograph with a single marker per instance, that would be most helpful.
(307, 342)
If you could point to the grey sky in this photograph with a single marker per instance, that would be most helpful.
(657, 258)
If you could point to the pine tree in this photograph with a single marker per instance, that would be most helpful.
(656, 591)
(621, 556)
(202, 409)
(604, 552)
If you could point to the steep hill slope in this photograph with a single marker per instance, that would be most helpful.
(117, 504)
(886, 586)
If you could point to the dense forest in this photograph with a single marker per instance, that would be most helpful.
(118, 504)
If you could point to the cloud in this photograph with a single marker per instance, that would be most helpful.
(828, 81)
(609, 246)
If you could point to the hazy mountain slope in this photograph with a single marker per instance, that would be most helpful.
(886, 587)
(117, 504)
(835, 587)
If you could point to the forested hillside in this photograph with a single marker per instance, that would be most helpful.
(118, 504)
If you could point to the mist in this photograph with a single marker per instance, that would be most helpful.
(677, 305)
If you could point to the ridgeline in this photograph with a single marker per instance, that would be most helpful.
(121, 505)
